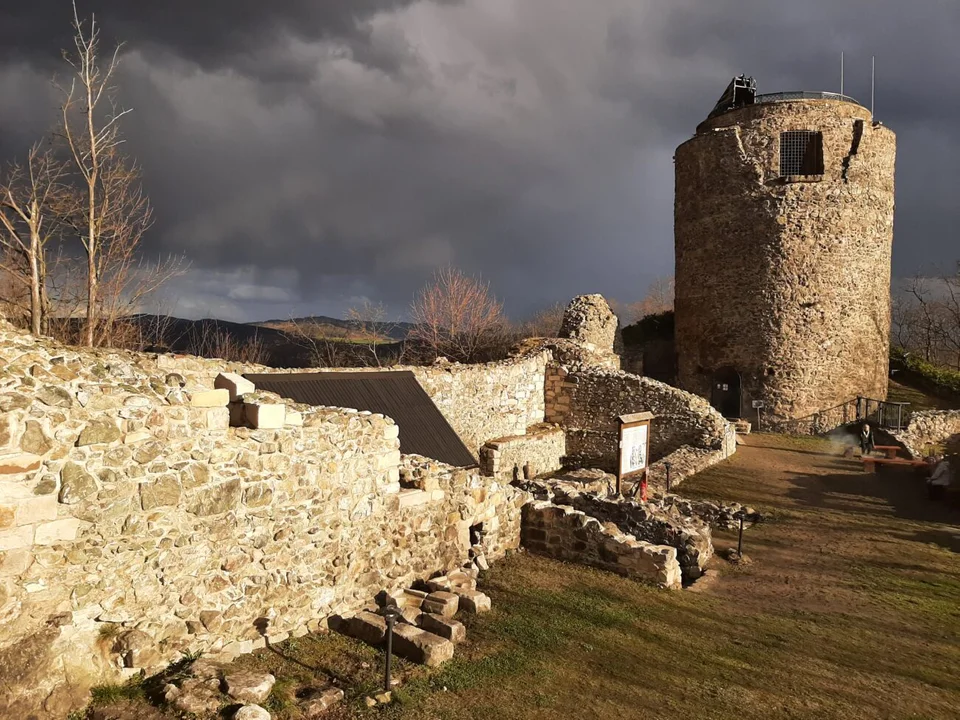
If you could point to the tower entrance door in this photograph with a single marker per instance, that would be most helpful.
(726, 391)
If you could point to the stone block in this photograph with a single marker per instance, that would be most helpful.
(16, 538)
(235, 385)
(249, 686)
(420, 646)
(99, 432)
(15, 562)
(209, 398)
(314, 703)
(267, 416)
(132, 438)
(251, 712)
(58, 531)
(164, 492)
(9, 432)
(473, 601)
(452, 630)
(413, 498)
(216, 499)
(35, 510)
(441, 583)
(19, 463)
(367, 627)
(441, 603)
(293, 418)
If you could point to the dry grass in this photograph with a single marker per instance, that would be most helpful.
(850, 609)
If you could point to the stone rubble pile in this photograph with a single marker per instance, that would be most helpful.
(716, 515)
(209, 686)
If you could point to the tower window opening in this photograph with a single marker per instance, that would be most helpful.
(801, 153)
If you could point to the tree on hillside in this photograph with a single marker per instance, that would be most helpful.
(457, 317)
(32, 198)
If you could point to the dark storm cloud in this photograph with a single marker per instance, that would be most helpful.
(307, 155)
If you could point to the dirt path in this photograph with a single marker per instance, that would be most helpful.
(829, 522)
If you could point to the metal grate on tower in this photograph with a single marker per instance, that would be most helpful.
(801, 153)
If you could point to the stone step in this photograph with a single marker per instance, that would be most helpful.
(473, 601)
(420, 646)
(365, 626)
(441, 603)
(452, 630)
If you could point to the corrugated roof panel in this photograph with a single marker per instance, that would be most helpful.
(396, 394)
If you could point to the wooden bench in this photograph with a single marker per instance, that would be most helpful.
(889, 451)
(873, 464)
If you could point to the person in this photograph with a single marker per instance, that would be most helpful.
(939, 480)
(866, 440)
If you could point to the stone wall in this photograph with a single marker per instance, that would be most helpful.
(541, 450)
(785, 282)
(481, 402)
(563, 533)
(587, 404)
(136, 525)
(931, 428)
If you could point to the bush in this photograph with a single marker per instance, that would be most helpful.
(935, 379)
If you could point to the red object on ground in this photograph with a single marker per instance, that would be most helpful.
(643, 489)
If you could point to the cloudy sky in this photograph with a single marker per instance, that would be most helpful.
(307, 154)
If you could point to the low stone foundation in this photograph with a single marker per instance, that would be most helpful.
(654, 523)
(563, 533)
(540, 451)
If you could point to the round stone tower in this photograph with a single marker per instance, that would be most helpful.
(784, 231)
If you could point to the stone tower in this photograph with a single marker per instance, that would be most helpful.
(784, 231)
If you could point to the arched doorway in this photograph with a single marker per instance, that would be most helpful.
(725, 393)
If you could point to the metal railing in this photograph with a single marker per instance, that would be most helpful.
(804, 95)
(879, 413)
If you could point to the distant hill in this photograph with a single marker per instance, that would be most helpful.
(277, 343)
(336, 328)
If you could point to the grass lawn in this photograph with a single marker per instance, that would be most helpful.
(918, 399)
(850, 608)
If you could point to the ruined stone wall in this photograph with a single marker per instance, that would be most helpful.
(932, 428)
(541, 450)
(136, 525)
(481, 402)
(785, 281)
(561, 532)
(587, 404)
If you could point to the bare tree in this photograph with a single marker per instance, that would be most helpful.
(323, 350)
(114, 212)
(370, 331)
(218, 342)
(950, 325)
(658, 300)
(456, 316)
(545, 323)
(31, 198)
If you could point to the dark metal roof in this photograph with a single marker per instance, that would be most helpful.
(423, 429)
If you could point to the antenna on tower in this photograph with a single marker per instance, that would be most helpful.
(873, 82)
(841, 73)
